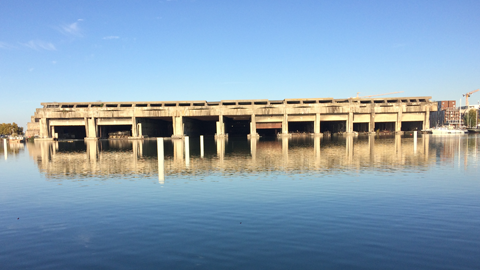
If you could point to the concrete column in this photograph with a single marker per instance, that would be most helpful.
(350, 122)
(91, 127)
(398, 124)
(161, 162)
(371, 124)
(43, 128)
(426, 122)
(139, 130)
(316, 124)
(253, 126)
(177, 122)
(220, 126)
(285, 124)
(178, 151)
(134, 127)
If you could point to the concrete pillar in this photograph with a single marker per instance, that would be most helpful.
(139, 130)
(187, 151)
(426, 122)
(371, 124)
(177, 122)
(44, 128)
(398, 124)
(134, 127)
(285, 124)
(253, 126)
(316, 124)
(220, 126)
(350, 122)
(91, 127)
(161, 162)
(178, 151)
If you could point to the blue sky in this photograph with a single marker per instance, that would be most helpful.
(71, 51)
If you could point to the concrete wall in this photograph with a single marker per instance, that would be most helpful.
(184, 115)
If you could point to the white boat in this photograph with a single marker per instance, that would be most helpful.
(448, 131)
(16, 139)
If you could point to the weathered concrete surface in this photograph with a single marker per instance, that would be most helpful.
(176, 119)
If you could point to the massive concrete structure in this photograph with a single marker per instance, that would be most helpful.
(93, 120)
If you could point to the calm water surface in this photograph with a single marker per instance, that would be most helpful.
(298, 203)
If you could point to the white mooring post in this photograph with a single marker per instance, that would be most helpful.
(415, 141)
(161, 163)
(5, 148)
(187, 151)
(201, 146)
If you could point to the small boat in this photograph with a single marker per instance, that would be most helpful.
(16, 139)
(448, 131)
(473, 130)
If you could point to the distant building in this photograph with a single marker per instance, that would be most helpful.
(452, 113)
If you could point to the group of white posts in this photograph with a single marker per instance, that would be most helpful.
(161, 156)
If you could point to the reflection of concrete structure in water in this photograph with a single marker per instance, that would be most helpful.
(56, 160)
(11, 148)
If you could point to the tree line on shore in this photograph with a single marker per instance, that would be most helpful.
(10, 129)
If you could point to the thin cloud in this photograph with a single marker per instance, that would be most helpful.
(4, 45)
(72, 30)
(111, 37)
(40, 45)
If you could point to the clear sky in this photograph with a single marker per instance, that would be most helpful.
(72, 51)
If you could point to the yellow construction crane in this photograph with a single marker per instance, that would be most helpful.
(467, 95)
(380, 94)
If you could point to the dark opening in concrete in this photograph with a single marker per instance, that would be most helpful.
(268, 129)
(237, 127)
(333, 126)
(70, 132)
(116, 131)
(412, 126)
(156, 127)
(385, 126)
(201, 125)
(300, 127)
(360, 127)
